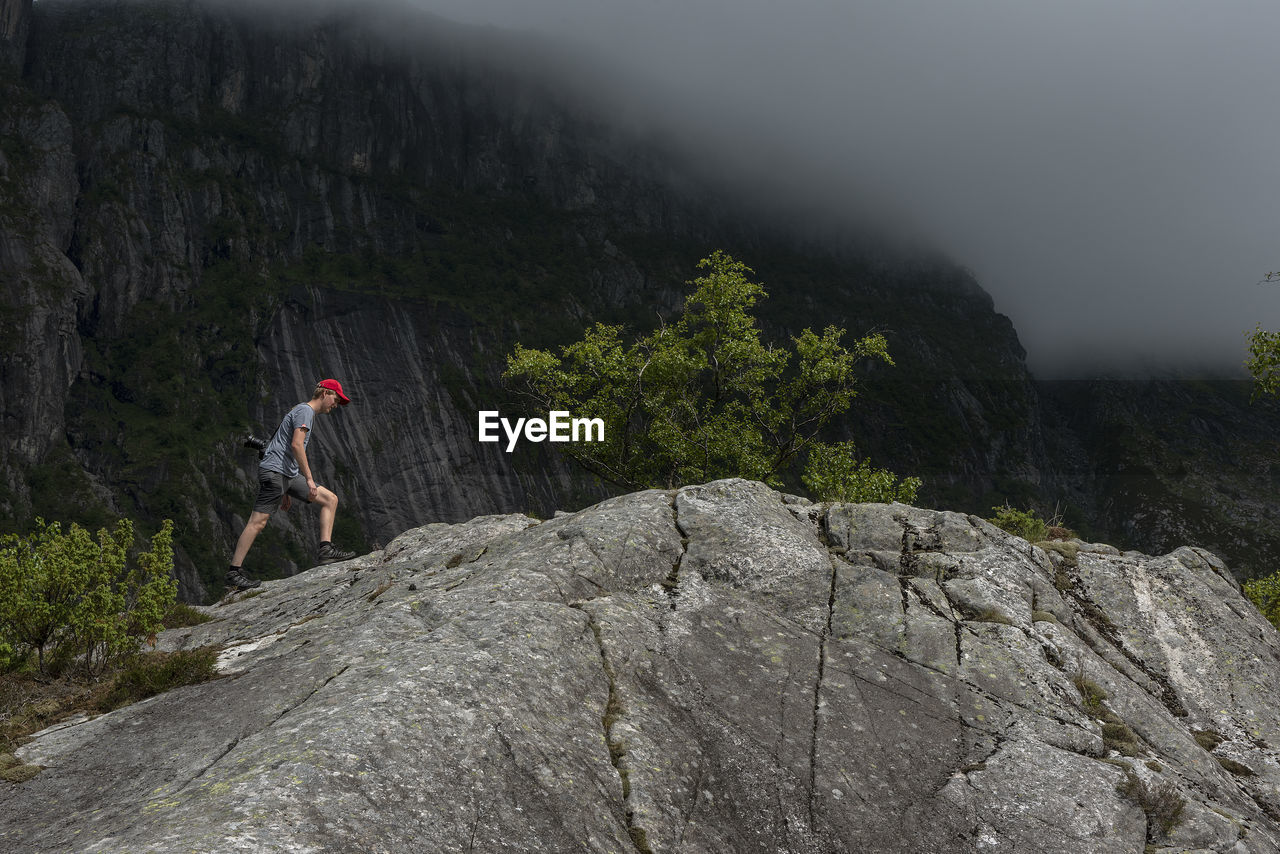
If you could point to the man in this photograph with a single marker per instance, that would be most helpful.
(284, 474)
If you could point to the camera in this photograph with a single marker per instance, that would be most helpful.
(253, 442)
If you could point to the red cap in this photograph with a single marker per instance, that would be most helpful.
(335, 386)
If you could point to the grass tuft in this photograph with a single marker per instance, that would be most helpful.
(181, 615)
(1237, 768)
(157, 672)
(1091, 693)
(1207, 738)
(1160, 801)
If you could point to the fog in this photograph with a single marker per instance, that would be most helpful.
(1107, 169)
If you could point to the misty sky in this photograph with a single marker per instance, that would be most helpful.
(1107, 168)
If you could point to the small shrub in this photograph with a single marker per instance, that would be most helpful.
(1160, 801)
(81, 599)
(1020, 523)
(1043, 617)
(1264, 593)
(1091, 693)
(181, 615)
(834, 473)
(1119, 737)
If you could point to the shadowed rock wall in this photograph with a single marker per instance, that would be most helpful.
(15, 26)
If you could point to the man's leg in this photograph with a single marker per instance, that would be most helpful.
(328, 512)
(328, 502)
(257, 522)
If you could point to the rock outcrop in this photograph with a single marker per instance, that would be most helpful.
(720, 668)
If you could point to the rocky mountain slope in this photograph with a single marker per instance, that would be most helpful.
(721, 668)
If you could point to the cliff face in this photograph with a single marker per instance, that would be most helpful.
(203, 212)
(716, 669)
(15, 26)
(1160, 463)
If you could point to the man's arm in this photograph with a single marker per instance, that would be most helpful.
(299, 447)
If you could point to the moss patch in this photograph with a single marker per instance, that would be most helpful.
(1069, 550)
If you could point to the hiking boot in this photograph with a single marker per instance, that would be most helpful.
(240, 581)
(329, 553)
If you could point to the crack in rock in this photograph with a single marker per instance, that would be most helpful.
(613, 711)
(817, 691)
(236, 741)
(672, 582)
(1097, 618)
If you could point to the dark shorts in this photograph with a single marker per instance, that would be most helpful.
(272, 486)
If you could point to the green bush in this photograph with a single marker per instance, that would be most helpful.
(1020, 523)
(71, 596)
(1265, 594)
(834, 473)
(1092, 695)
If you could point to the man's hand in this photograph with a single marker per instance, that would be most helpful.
(312, 490)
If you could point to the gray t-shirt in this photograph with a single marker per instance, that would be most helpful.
(279, 453)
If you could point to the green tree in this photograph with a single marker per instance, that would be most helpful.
(81, 597)
(1264, 360)
(702, 397)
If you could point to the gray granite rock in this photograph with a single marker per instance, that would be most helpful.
(715, 669)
